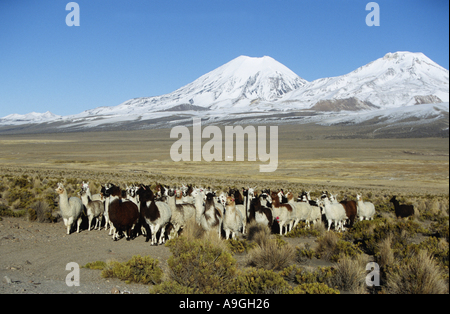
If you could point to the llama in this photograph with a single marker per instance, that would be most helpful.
(187, 198)
(402, 211)
(232, 219)
(350, 210)
(95, 197)
(107, 191)
(94, 209)
(261, 214)
(131, 194)
(334, 212)
(237, 196)
(156, 214)
(365, 210)
(181, 213)
(316, 211)
(123, 215)
(71, 208)
(282, 213)
(207, 215)
(300, 211)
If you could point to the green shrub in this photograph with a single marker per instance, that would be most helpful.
(5, 211)
(298, 275)
(95, 265)
(300, 231)
(240, 245)
(171, 287)
(313, 288)
(139, 269)
(259, 281)
(200, 265)
(332, 248)
(305, 251)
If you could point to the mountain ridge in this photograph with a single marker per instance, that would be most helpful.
(247, 86)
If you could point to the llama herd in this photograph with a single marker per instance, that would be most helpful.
(138, 210)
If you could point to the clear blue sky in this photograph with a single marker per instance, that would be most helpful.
(137, 48)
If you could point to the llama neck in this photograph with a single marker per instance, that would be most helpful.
(64, 201)
(198, 201)
(85, 199)
(171, 201)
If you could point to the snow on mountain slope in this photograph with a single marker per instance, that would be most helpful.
(235, 84)
(397, 79)
(249, 86)
(409, 114)
(32, 117)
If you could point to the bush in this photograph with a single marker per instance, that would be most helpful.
(95, 265)
(332, 248)
(419, 274)
(41, 212)
(350, 274)
(139, 269)
(271, 256)
(300, 231)
(200, 265)
(298, 275)
(314, 288)
(259, 281)
(171, 287)
(7, 212)
(239, 246)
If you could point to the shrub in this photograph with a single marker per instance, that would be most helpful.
(259, 281)
(314, 288)
(260, 234)
(171, 287)
(350, 274)
(200, 265)
(7, 212)
(419, 274)
(298, 275)
(95, 265)
(240, 246)
(41, 212)
(271, 256)
(138, 269)
(300, 231)
(385, 255)
(304, 251)
(332, 248)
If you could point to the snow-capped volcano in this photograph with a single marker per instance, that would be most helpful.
(238, 83)
(397, 79)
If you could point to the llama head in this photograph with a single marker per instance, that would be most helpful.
(289, 195)
(230, 200)
(60, 188)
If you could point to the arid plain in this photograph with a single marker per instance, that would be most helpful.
(307, 154)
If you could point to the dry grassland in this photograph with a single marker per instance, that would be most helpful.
(306, 156)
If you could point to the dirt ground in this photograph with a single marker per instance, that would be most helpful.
(34, 257)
